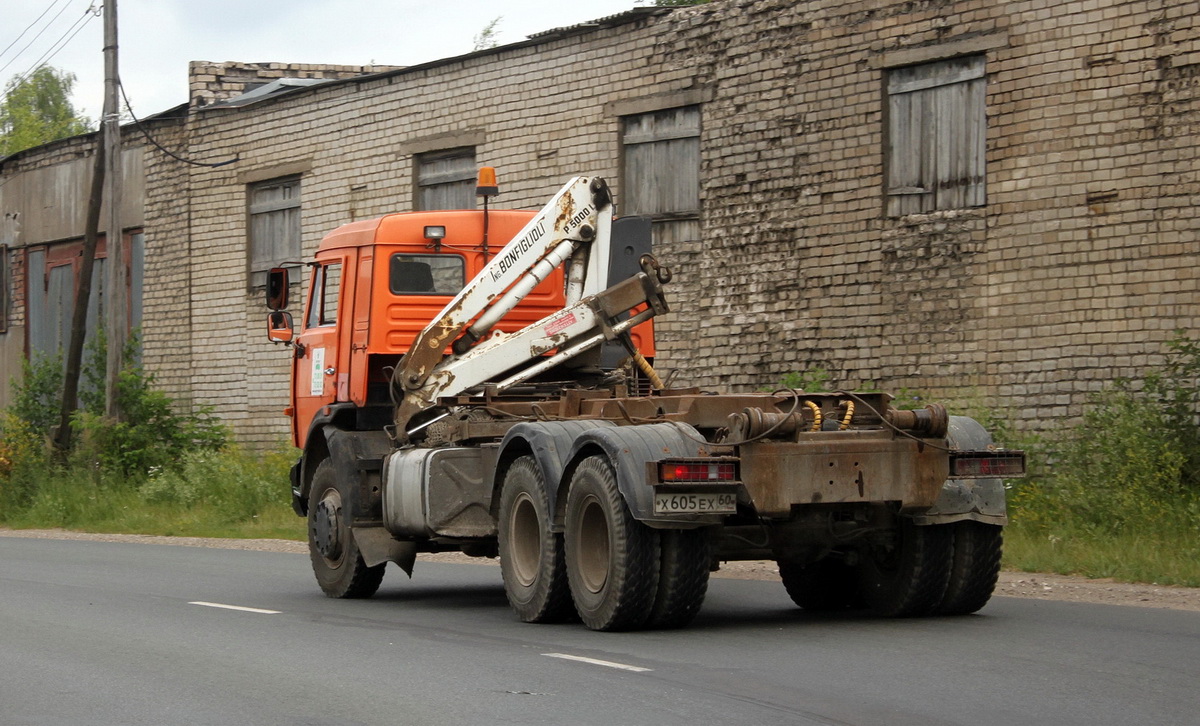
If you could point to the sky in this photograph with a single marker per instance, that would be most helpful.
(157, 38)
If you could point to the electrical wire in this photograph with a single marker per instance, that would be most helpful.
(163, 149)
(58, 45)
(34, 38)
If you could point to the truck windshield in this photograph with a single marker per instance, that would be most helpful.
(426, 274)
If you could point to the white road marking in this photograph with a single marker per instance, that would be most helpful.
(593, 661)
(235, 607)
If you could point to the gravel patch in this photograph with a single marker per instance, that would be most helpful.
(1037, 586)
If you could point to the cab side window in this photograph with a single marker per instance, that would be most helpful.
(326, 288)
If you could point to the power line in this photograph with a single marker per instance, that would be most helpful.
(34, 38)
(26, 30)
(59, 44)
(162, 148)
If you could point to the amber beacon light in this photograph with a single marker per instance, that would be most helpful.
(485, 185)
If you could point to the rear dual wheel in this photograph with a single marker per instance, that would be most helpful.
(827, 585)
(907, 576)
(531, 555)
(974, 567)
(683, 572)
(622, 573)
(612, 559)
(944, 569)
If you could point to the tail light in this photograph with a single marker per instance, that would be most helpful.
(986, 464)
(698, 471)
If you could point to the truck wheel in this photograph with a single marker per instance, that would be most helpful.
(337, 563)
(908, 578)
(612, 559)
(974, 567)
(827, 585)
(531, 556)
(682, 578)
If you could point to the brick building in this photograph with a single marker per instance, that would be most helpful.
(990, 202)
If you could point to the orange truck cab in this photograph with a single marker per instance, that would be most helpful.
(375, 284)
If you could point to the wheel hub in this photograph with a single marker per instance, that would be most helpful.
(595, 545)
(525, 531)
(327, 537)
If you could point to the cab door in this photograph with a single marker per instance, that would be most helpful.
(322, 361)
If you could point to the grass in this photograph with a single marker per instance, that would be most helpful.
(227, 493)
(1157, 555)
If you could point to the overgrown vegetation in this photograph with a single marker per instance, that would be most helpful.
(161, 471)
(1116, 495)
(1120, 494)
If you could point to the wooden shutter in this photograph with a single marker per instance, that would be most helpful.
(446, 180)
(937, 136)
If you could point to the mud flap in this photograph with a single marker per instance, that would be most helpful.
(377, 546)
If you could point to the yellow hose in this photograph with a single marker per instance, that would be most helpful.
(645, 367)
(817, 418)
(849, 415)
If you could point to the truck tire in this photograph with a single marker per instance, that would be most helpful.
(531, 555)
(336, 560)
(682, 578)
(612, 559)
(974, 567)
(826, 585)
(909, 578)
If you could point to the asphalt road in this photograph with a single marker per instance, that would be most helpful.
(113, 633)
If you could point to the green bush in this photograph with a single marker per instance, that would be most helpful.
(23, 461)
(152, 436)
(38, 397)
(233, 484)
(1120, 493)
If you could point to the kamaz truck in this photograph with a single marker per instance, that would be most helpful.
(483, 382)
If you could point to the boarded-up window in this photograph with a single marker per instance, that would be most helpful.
(446, 179)
(937, 124)
(274, 226)
(662, 171)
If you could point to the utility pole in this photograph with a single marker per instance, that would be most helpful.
(115, 298)
(83, 291)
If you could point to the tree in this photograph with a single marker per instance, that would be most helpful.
(487, 37)
(37, 109)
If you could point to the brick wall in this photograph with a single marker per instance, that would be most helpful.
(212, 82)
(1076, 271)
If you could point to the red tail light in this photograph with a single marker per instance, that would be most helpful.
(697, 471)
(986, 464)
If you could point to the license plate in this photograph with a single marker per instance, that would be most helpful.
(694, 503)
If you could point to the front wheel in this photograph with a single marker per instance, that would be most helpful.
(531, 555)
(612, 559)
(336, 560)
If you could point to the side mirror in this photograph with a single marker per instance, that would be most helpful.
(279, 326)
(277, 289)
